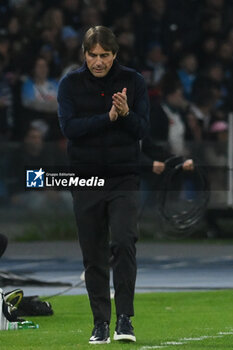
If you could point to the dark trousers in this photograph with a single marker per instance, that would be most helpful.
(107, 227)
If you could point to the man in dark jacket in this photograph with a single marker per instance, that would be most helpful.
(104, 112)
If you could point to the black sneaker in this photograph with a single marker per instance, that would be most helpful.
(124, 329)
(100, 334)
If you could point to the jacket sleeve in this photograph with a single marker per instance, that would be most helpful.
(155, 150)
(72, 127)
(137, 121)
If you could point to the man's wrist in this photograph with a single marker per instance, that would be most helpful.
(112, 116)
(125, 114)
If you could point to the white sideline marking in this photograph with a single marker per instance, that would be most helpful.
(202, 337)
(174, 343)
(183, 341)
(152, 347)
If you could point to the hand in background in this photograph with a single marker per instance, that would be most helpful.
(188, 165)
(158, 167)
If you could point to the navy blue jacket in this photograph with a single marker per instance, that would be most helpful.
(96, 145)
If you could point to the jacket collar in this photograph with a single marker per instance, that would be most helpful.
(115, 69)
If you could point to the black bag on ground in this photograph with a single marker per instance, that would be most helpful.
(33, 306)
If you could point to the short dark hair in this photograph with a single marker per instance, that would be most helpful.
(100, 35)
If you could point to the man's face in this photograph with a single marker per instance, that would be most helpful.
(99, 61)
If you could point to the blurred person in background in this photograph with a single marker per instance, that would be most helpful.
(71, 10)
(200, 114)
(155, 65)
(126, 41)
(90, 17)
(214, 5)
(33, 152)
(18, 42)
(229, 36)
(187, 73)
(219, 114)
(39, 97)
(216, 153)
(168, 127)
(50, 28)
(216, 157)
(124, 30)
(115, 10)
(221, 8)
(5, 46)
(15, 34)
(212, 77)
(166, 139)
(123, 23)
(167, 117)
(174, 24)
(71, 48)
(53, 59)
(137, 23)
(225, 57)
(29, 14)
(102, 8)
(208, 50)
(54, 19)
(6, 117)
(155, 12)
(212, 24)
(5, 12)
(215, 73)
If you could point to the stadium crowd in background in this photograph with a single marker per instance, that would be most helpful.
(185, 43)
(192, 38)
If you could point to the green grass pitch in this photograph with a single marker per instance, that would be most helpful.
(190, 320)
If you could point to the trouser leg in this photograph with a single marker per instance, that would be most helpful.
(123, 210)
(90, 212)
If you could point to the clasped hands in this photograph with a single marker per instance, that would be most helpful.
(119, 105)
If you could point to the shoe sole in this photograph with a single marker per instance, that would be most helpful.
(124, 337)
(96, 342)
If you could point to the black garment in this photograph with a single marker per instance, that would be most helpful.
(155, 145)
(96, 145)
(115, 208)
